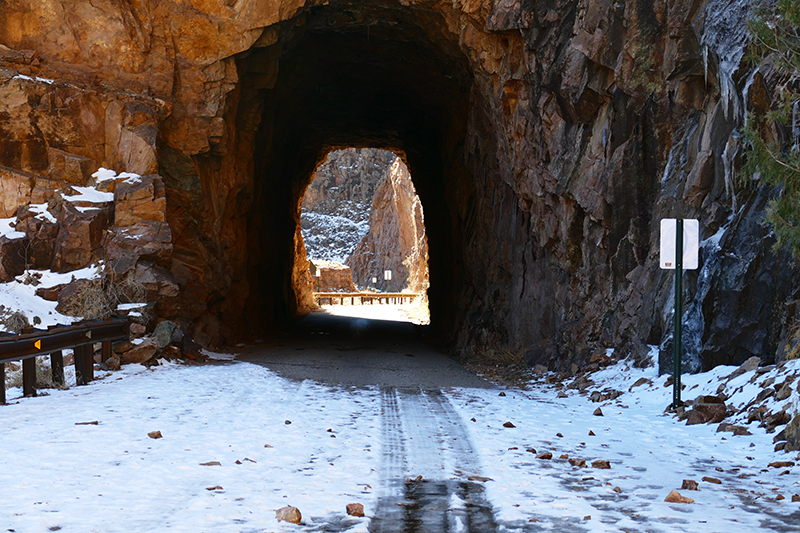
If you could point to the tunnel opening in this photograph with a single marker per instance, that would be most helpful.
(367, 74)
(363, 232)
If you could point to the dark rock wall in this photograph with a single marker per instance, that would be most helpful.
(545, 138)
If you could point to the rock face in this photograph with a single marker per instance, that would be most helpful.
(333, 277)
(546, 140)
(396, 240)
(336, 206)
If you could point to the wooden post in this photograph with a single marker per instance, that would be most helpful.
(2, 383)
(57, 367)
(106, 351)
(29, 377)
(84, 366)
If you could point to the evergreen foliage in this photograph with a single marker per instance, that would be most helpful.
(773, 139)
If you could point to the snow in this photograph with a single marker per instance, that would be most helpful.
(90, 194)
(319, 447)
(28, 78)
(7, 228)
(104, 174)
(42, 213)
(22, 297)
(331, 237)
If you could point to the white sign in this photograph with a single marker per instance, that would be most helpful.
(691, 243)
(387, 275)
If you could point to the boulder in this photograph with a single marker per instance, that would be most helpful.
(140, 353)
(707, 409)
(163, 333)
(161, 286)
(149, 240)
(355, 509)
(675, 497)
(13, 256)
(80, 236)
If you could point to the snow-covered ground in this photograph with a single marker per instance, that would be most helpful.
(331, 237)
(81, 460)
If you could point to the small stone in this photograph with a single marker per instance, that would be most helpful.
(545, 455)
(289, 514)
(598, 412)
(482, 479)
(287, 422)
(564, 456)
(559, 435)
(675, 497)
(509, 425)
(113, 363)
(211, 463)
(796, 497)
(591, 433)
(639, 382)
(689, 484)
(784, 392)
(587, 517)
(780, 497)
(577, 462)
(532, 450)
(709, 479)
(602, 464)
(155, 435)
(562, 394)
(216, 487)
(618, 490)
(781, 464)
(502, 394)
(355, 509)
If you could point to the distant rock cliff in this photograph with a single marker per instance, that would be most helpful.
(396, 240)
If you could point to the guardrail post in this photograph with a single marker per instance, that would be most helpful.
(82, 375)
(106, 351)
(57, 368)
(2, 383)
(29, 377)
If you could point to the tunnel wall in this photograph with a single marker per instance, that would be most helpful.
(545, 139)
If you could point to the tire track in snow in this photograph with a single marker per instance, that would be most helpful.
(426, 462)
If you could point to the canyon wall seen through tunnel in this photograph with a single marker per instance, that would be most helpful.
(545, 140)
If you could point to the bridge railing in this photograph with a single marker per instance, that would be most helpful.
(79, 337)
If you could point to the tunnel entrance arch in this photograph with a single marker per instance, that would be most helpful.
(378, 74)
(335, 78)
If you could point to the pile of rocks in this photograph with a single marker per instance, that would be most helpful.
(67, 224)
(167, 341)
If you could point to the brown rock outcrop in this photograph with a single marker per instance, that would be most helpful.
(546, 140)
(333, 277)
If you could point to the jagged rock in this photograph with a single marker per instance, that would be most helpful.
(80, 236)
(139, 198)
(13, 256)
(140, 353)
(792, 434)
(396, 240)
(148, 240)
(707, 410)
(69, 168)
(15, 190)
(601, 464)
(162, 335)
(334, 276)
(289, 514)
(161, 287)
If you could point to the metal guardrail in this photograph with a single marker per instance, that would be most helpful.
(382, 297)
(80, 338)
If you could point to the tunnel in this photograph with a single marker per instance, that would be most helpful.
(360, 74)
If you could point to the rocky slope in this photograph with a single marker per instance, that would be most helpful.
(396, 239)
(546, 140)
(336, 206)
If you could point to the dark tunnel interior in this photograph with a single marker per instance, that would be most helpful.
(358, 75)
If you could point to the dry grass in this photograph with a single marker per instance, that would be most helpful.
(99, 298)
(13, 321)
(44, 375)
